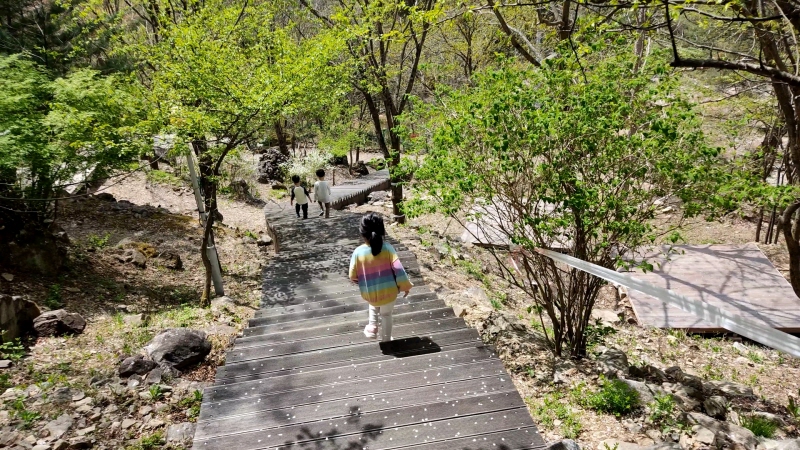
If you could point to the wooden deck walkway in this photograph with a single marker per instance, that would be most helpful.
(735, 278)
(303, 376)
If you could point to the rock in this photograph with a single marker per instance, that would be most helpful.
(41, 447)
(145, 410)
(729, 389)
(184, 432)
(134, 382)
(613, 363)
(606, 317)
(664, 446)
(5, 364)
(222, 305)
(674, 373)
(60, 445)
(271, 165)
(732, 433)
(741, 348)
(359, 168)
(16, 316)
(85, 431)
(105, 197)
(563, 369)
(648, 372)
(786, 444)
(79, 442)
(8, 277)
(264, 241)
(278, 186)
(38, 252)
(62, 395)
(705, 436)
(171, 260)
(655, 435)
(476, 293)
(135, 365)
(716, 406)
(154, 377)
(127, 423)
(59, 426)
(59, 322)
(647, 392)
(770, 417)
(613, 444)
(134, 320)
(631, 426)
(564, 444)
(138, 259)
(179, 348)
(686, 398)
(693, 385)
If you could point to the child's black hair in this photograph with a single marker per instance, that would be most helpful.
(295, 178)
(320, 173)
(373, 230)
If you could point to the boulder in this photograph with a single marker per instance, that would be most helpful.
(338, 160)
(785, 444)
(135, 365)
(264, 241)
(613, 363)
(564, 444)
(728, 389)
(179, 348)
(647, 392)
(59, 322)
(16, 316)
(40, 252)
(648, 372)
(716, 406)
(606, 317)
(271, 165)
(359, 168)
(732, 434)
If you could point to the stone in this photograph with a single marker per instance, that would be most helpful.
(40, 252)
(647, 371)
(563, 368)
(674, 373)
(705, 436)
(134, 381)
(171, 260)
(741, 348)
(179, 348)
(612, 444)
(613, 362)
(145, 410)
(271, 165)
(716, 406)
(127, 423)
(79, 442)
(664, 446)
(264, 241)
(693, 385)
(134, 320)
(60, 445)
(85, 431)
(732, 433)
(655, 435)
(222, 305)
(647, 392)
(184, 432)
(5, 364)
(154, 377)
(359, 168)
(729, 389)
(59, 426)
(787, 444)
(631, 426)
(135, 365)
(138, 259)
(59, 322)
(606, 317)
(61, 395)
(9, 437)
(476, 293)
(8, 277)
(16, 316)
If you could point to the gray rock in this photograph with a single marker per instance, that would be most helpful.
(729, 389)
(674, 373)
(138, 259)
(732, 433)
(135, 365)
(171, 260)
(127, 423)
(264, 241)
(184, 432)
(16, 316)
(716, 406)
(705, 436)
(154, 377)
(693, 385)
(41, 447)
(60, 445)
(5, 364)
(135, 320)
(59, 426)
(179, 348)
(62, 395)
(8, 277)
(648, 371)
(741, 348)
(786, 444)
(647, 392)
(664, 446)
(222, 305)
(563, 368)
(613, 362)
(134, 382)
(59, 322)
(606, 317)
(564, 444)
(80, 442)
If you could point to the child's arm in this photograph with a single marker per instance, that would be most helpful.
(403, 283)
(291, 200)
(353, 273)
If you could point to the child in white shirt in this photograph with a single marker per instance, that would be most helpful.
(299, 194)
(322, 193)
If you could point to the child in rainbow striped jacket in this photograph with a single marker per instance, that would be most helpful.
(379, 274)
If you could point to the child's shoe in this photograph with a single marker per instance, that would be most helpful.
(321, 213)
(371, 331)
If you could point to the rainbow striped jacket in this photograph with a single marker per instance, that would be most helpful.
(380, 278)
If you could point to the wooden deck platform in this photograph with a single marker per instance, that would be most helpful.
(303, 376)
(736, 278)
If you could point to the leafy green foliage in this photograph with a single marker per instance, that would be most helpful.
(662, 411)
(614, 397)
(20, 411)
(98, 242)
(569, 160)
(760, 426)
(554, 407)
(192, 403)
(151, 442)
(53, 299)
(12, 349)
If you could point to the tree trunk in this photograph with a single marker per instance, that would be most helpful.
(792, 245)
(205, 298)
(283, 145)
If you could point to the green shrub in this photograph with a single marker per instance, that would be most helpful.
(760, 426)
(53, 299)
(98, 242)
(662, 411)
(192, 404)
(152, 442)
(553, 407)
(614, 397)
(12, 350)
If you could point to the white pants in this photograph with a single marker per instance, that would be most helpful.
(385, 312)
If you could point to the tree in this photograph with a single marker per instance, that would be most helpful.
(52, 130)
(385, 41)
(221, 77)
(564, 159)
